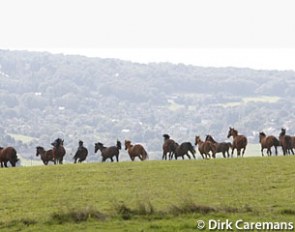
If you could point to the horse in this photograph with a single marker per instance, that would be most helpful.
(168, 147)
(267, 142)
(135, 150)
(286, 142)
(58, 151)
(108, 152)
(222, 147)
(184, 149)
(205, 147)
(46, 156)
(8, 154)
(81, 153)
(239, 142)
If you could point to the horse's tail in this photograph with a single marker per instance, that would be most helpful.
(191, 148)
(144, 154)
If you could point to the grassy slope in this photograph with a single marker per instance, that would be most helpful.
(251, 188)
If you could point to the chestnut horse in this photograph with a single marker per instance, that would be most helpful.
(184, 149)
(8, 154)
(46, 156)
(81, 153)
(239, 142)
(135, 150)
(267, 142)
(58, 151)
(286, 142)
(220, 147)
(168, 147)
(108, 152)
(205, 148)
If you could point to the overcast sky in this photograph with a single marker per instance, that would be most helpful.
(242, 33)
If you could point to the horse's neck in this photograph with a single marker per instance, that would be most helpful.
(200, 142)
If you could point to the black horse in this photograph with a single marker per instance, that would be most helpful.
(286, 142)
(108, 152)
(184, 149)
(81, 153)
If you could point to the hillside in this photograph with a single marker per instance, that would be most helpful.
(44, 96)
(146, 196)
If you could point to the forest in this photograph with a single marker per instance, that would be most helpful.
(44, 96)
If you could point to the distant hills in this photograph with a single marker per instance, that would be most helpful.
(44, 96)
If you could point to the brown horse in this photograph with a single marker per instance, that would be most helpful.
(168, 147)
(267, 142)
(239, 142)
(81, 153)
(8, 154)
(286, 142)
(108, 152)
(220, 147)
(184, 149)
(46, 156)
(205, 148)
(135, 150)
(58, 151)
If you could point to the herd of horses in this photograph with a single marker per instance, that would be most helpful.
(171, 149)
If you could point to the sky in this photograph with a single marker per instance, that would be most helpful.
(258, 34)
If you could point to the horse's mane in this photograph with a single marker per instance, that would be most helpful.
(166, 136)
(262, 133)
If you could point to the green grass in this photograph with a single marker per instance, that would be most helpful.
(146, 196)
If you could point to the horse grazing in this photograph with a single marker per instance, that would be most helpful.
(184, 149)
(81, 153)
(286, 142)
(46, 156)
(205, 148)
(222, 147)
(108, 152)
(239, 142)
(267, 142)
(168, 147)
(58, 151)
(8, 154)
(135, 150)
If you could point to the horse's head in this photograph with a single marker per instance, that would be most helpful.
(232, 132)
(166, 136)
(119, 145)
(97, 146)
(58, 142)
(127, 144)
(39, 150)
(283, 132)
(80, 143)
(197, 139)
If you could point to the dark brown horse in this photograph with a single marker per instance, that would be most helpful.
(136, 150)
(286, 142)
(184, 149)
(58, 151)
(267, 142)
(8, 154)
(81, 153)
(239, 142)
(205, 147)
(46, 156)
(168, 147)
(222, 147)
(108, 152)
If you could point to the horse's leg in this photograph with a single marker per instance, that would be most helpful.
(262, 151)
(112, 159)
(164, 156)
(117, 158)
(276, 150)
(5, 164)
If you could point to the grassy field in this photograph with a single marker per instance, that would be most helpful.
(146, 196)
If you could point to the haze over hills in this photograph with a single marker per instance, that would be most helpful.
(44, 96)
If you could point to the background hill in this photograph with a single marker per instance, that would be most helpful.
(44, 96)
